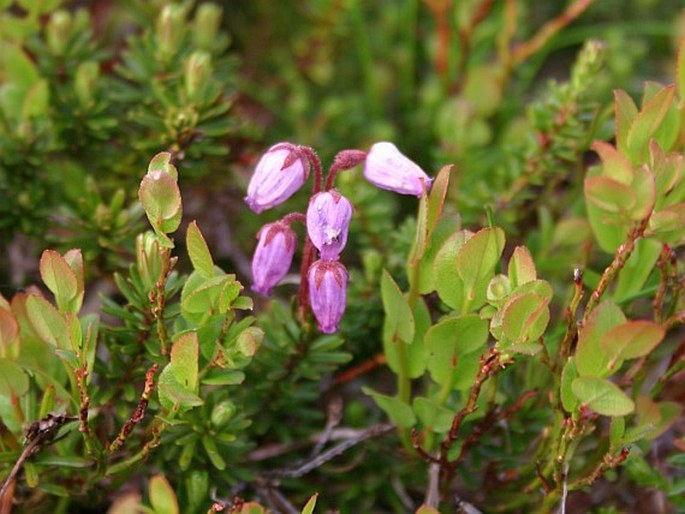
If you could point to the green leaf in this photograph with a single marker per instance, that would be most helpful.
(224, 377)
(616, 432)
(436, 200)
(637, 268)
(173, 395)
(13, 379)
(198, 251)
(432, 415)
(47, 322)
(184, 360)
(162, 162)
(475, 263)
(448, 341)
(397, 310)
(399, 412)
(602, 396)
(630, 340)
(448, 284)
(213, 453)
(415, 350)
(162, 496)
(644, 188)
(626, 111)
(311, 503)
(521, 267)
(421, 235)
(523, 319)
(610, 195)
(646, 124)
(9, 331)
(249, 340)
(59, 277)
(568, 375)
(161, 198)
(590, 359)
(615, 165)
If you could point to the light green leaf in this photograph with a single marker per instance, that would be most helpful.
(647, 122)
(184, 360)
(432, 415)
(615, 165)
(448, 284)
(311, 503)
(475, 263)
(396, 310)
(568, 375)
(47, 322)
(162, 496)
(630, 340)
(602, 396)
(626, 111)
(521, 267)
(59, 278)
(13, 379)
(399, 412)
(590, 359)
(198, 251)
(610, 195)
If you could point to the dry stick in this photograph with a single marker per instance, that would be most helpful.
(158, 298)
(139, 413)
(38, 434)
(549, 30)
(364, 367)
(622, 254)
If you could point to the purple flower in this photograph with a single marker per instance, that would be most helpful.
(272, 256)
(328, 218)
(327, 288)
(387, 168)
(279, 174)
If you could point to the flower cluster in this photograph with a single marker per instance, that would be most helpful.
(281, 172)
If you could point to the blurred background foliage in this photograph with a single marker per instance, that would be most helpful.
(89, 91)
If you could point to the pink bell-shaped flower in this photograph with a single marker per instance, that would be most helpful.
(279, 174)
(328, 219)
(327, 290)
(272, 256)
(387, 168)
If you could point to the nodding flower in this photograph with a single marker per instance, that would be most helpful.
(280, 172)
(272, 256)
(328, 219)
(387, 168)
(327, 293)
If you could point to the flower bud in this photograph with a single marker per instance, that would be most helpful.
(58, 31)
(206, 26)
(328, 218)
(170, 29)
(198, 71)
(272, 256)
(327, 289)
(85, 82)
(279, 174)
(387, 168)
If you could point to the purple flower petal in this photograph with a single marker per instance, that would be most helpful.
(272, 256)
(327, 293)
(328, 219)
(279, 174)
(387, 168)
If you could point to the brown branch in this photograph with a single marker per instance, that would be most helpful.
(139, 413)
(548, 30)
(350, 374)
(622, 254)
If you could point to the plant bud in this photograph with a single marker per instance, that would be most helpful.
(84, 82)
(206, 26)
(327, 290)
(272, 256)
(58, 31)
(170, 29)
(386, 167)
(222, 413)
(328, 218)
(279, 174)
(198, 71)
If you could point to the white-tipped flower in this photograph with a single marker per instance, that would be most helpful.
(279, 174)
(387, 168)
(328, 218)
